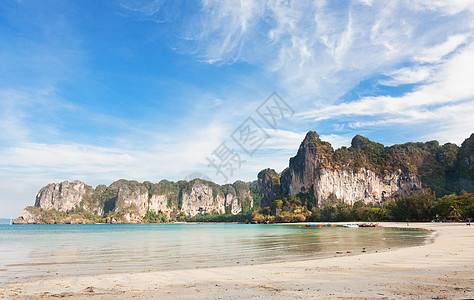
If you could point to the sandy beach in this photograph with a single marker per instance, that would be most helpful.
(441, 269)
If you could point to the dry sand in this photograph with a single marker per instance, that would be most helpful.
(443, 269)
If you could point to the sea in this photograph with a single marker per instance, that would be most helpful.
(29, 251)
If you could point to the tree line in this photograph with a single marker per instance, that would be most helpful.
(413, 208)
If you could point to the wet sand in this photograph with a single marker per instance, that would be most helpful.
(443, 269)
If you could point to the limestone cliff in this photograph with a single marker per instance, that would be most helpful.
(201, 199)
(363, 184)
(238, 197)
(315, 169)
(368, 171)
(128, 201)
(62, 196)
(159, 203)
(132, 199)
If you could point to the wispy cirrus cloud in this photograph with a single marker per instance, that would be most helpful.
(437, 53)
(29, 113)
(319, 50)
(446, 101)
(159, 11)
(410, 75)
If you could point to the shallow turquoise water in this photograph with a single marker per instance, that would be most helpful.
(44, 250)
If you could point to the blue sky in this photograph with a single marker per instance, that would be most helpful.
(146, 90)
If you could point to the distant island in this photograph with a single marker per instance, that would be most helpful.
(365, 182)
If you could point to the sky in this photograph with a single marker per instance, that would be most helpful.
(149, 90)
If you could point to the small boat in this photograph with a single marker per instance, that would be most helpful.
(314, 225)
(351, 226)
(11, 221)
(368, 225)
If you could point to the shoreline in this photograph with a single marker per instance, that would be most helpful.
(442, 269)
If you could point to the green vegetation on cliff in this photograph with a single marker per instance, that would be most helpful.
(416, 207)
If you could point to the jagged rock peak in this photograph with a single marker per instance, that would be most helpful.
(311, 136)
(312, 142)
(359, 141)
(270, 172)
(363, 143)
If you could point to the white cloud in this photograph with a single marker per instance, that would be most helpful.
(145, 7)
(283, 140)
(27, 112)
(33, 165)
(447, 101)
(435, 54)
(220, 29)
(64, 158)
(367, 2)
(159, 11)
(135, 154)
(407, 76)
(450, 7)
(29, 166)
(320, 50)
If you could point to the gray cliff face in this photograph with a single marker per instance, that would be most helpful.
(238, 197)
(304, 167)
(201, 200)
(30, 215)
(207, 197)
(159, 203)
(233, 204)
(314, 170)
(363, 185)
(93, 205)
(62, 196)
(466, 155)
(130, 200)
